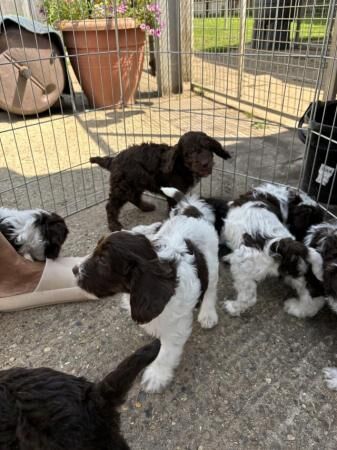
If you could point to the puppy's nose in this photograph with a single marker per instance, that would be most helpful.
(75, 270)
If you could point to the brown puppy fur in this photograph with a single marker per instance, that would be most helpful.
(43, 409)
(148, 167)
(126, 262)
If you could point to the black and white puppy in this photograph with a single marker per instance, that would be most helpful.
(34, 233)
(258, 243)
(166, 268)
(43, 409)
(296, 210)
(260, 229)
(323, 238)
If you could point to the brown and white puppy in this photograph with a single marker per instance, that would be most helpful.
(323, 238)
(43, 409)
(149, 166)
(166, 270)
(256, 241)
(296, 210)
(259, 232)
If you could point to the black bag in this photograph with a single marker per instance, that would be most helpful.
(320, 177)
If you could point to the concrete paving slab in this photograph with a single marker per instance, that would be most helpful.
(253, 382)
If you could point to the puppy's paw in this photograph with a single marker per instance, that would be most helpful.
(233, 308)
(28, 257)
(155, 379)
(147, 229)
(295, 308)
(330, 376)
(114, 225)
(208, 319)
(125, 303)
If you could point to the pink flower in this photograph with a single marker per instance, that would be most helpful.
(152, 32)
(148, 28)
(122, 8)
(153, 7)
(157, 32)
(143, 26)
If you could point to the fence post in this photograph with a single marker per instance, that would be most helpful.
(168, 55)
(330, 71)
(243, 18)
(186, 26)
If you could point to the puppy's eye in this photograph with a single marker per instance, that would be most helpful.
(102, 261)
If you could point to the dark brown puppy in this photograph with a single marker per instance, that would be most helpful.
(148, 167)
(42, 409)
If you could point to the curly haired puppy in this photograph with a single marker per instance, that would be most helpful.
(43, 409)
(34, 233)
(322, 238)
(147, 167)
(260, 230)
(296, 210)
(167, 269)
(257, 242)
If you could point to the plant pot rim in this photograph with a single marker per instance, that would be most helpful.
(97, 24)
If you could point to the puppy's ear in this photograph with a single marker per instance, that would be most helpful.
(116, 385)
(168, 159)
(330, 279)
(152, 285)
(100, 241)
(54, 231)
(218, 150)
(301, 217)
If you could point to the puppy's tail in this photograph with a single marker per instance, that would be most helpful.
(174, 193)
(116, 385)
(103, 161)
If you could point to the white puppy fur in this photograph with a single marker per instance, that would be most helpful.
(250, 266)
(174, 325)
(324, 238)
(24, 233)
(330, 376)
(34, 233)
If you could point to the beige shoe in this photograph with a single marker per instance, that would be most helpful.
(57, 285)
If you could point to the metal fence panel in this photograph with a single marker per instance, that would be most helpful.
(243, 71)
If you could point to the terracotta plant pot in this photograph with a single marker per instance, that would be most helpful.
(109, 74)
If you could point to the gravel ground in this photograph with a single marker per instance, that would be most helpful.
(253, 382)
